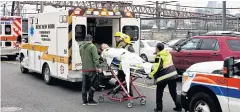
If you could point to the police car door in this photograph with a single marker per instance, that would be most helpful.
(79, 25)
(234, 93)
(131, 26)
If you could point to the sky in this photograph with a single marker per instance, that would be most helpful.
(199, 3)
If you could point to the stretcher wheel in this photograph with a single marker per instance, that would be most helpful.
(114, 96)
(100, 98)
(130, 104)
(143, 101)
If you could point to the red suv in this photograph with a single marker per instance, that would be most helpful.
(214, 46)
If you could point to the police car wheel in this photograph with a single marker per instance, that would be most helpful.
(46, 75)
(23, 70)
(202, 102)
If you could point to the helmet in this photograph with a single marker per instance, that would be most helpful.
(126, 38)
(118, 34)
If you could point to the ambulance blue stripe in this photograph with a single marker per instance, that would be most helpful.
(222, 91)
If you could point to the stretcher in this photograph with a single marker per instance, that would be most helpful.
(119, 59)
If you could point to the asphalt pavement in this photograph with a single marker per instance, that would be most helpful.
(28, 93)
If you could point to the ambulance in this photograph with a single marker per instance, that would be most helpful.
(10, 33)
(212, 86)
(54, 39)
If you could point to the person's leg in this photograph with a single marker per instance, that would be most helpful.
(159, 95)
(91, 89)
(172, 85)
(84, 88)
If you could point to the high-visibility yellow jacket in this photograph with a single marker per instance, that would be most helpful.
(163, 68)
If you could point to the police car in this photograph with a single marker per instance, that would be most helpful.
(212, 87)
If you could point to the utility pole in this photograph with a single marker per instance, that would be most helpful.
(224, 16)
(18, 8)
(41, 7)
(12, 10)
(157, 15)
(4, 9)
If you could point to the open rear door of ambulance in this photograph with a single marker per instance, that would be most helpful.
(131, 27)
(79, 29)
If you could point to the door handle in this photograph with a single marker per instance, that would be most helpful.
(214, 54)
(190, 54)
(53, 60)
(37, 42)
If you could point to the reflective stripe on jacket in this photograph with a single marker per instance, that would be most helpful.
(163, 67)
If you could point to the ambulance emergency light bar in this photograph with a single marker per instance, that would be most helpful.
(100, 12)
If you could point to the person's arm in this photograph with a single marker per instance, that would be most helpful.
(95, 56)
(131, 49)
(158, 65)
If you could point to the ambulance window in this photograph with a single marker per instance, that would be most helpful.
(132, 31)
(8, 29)
(8, 44)
(1, 44)
(0, 29)
(80, 32)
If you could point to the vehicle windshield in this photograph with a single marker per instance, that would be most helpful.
(172, 42)
(153, 44)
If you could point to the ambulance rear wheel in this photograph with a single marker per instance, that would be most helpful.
(23, 70)
(47, 75)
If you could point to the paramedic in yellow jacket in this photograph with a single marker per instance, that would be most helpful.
(123, 41)
(164, 73)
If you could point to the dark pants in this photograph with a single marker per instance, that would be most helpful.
(87, 81)
(121, 77)
(172, 85)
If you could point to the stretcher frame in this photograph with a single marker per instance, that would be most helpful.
(121, 85)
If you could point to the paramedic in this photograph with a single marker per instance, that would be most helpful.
(90, 64)
(124, 41)
(164, 73)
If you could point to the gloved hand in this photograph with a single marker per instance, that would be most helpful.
(148, 77)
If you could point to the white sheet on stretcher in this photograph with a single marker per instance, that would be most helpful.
(128, 60)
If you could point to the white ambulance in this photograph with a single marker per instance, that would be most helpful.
(10, 33)
(212, 87)
(54, 39)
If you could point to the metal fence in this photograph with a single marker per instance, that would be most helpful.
(170, 28)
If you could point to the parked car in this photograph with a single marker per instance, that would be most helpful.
(175, 42)
(147, 49)
(214, 46)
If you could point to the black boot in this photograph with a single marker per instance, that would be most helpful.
(178, 109)
(156, 110)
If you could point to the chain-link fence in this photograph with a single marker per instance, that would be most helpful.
(165, 29)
